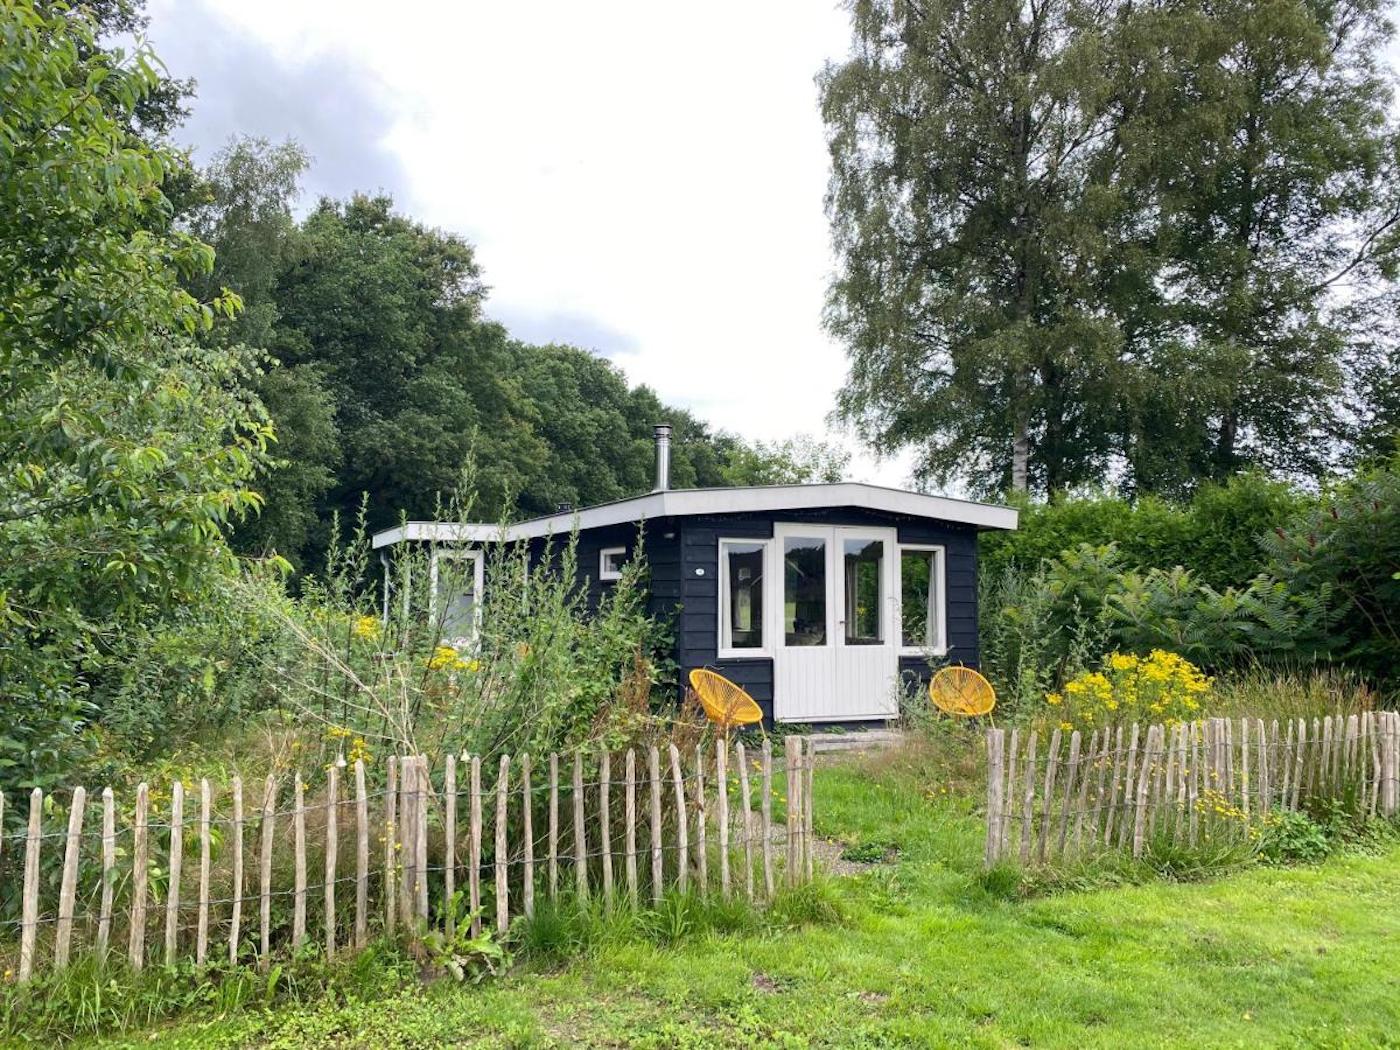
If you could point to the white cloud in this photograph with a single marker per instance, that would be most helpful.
(640, 178)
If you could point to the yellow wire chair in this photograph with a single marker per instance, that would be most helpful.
(726, 704)
(962, 692)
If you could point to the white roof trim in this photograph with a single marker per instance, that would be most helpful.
(687, 502)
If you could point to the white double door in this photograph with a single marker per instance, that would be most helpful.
(836, 653)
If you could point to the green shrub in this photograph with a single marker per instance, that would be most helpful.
(1288, 837)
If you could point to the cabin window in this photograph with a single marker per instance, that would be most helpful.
(456, 585)
(864, 572)
(743, 577)
(922, 626)
(804, 590)
(610, 563)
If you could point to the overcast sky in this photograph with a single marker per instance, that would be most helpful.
(636, 181)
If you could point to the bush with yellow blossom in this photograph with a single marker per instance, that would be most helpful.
(1161, 687)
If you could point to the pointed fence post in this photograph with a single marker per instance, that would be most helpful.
(629, 818)
(746, 826)
(449, 835)
(236, 914)
(68, 886)
(29, 912)
(553, 844)
(201, 944)
(109, 868)
(269, 817)
(299, 886)
(332, 852)
(682, 833)
(140, 861)
(361, 857)
(605, 829)
(527, 808)
(654, 782)
(176, 861)
(722, 814)
(391, 838)
(767, 828)
(995, 743)
(502, 849)
(580, 832)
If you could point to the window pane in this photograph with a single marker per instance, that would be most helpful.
(804, 591)
(456, 597)
(864, 569)
(919, 583)
(743, 567)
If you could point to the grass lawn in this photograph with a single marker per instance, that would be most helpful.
(926, 956)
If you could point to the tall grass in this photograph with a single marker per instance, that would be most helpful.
(1260, 693)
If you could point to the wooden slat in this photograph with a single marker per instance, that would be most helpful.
(299, 859)
(201, 944)
(654, 781)
(604, 824)
(68, 884)
(420, 836)
(809, 770)
(995, 744)
(173, 866)
(1111, 814)
(682, 832)
(629, 819)
(449, 839)
(767, 808)
(527, 813)
(1128, 818)
(235, 923)
(408, 832)
(793, 808)
(502, 846)
(746, 826)
(553, 845)
(140, 861)
(391, 838)
(332, 853)
(269, 820)
(1086, 774)
(29, 911)
(1149, 752)
(109, 868)
(702, 853)
(1071, 780)
(474, 846)
(580, 832)
(361, 857)
(722, 814)
(1028, 799)
(1102, 766)
(1006, 820)
(1052, 768)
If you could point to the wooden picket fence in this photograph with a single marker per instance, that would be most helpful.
(1192, 782)
(413, 845)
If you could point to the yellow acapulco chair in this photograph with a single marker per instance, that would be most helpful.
(726, 704)
(962, 692)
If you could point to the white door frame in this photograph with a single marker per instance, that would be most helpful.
(835, 681)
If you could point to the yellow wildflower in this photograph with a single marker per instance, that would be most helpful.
(366, 627)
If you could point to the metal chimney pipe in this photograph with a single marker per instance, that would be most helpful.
(663, 456)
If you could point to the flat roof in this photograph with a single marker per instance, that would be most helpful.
(689, 502)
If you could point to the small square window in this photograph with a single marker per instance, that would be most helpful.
(610, 563)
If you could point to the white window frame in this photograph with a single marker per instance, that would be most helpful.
(722, 651)
(940, 570)
(478, 560)
(606, 575)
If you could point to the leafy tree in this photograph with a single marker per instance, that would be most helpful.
(389, 314)
(795, 461)
(1269, 162)
(125, 449)
(970, 205)
(242, 206)
(1078, 234)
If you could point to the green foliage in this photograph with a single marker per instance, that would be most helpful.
(797, 461)
(465, 956)
(93, 997)
(1217, 533)
(1347, 548)
(542, 670)
(1293, 838)
(125, 449)
(1073, 236)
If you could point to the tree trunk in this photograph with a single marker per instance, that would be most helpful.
(1020, 454)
